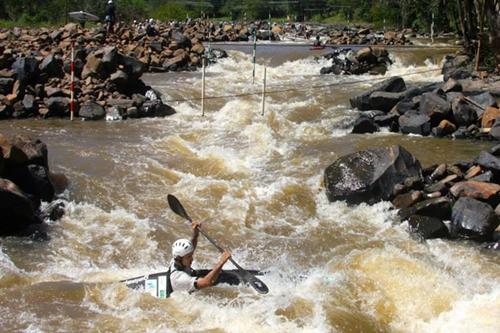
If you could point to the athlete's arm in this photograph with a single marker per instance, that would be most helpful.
(210, 279)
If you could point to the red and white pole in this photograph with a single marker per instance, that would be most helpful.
(72, 86)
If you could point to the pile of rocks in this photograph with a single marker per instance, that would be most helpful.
(372, 60)
(35, 78)
(363, 36)
(459, 200)
(25, 180)
(459, 108)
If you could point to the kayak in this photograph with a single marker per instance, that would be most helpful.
(317, 47)
(156, 283)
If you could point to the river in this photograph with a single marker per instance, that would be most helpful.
(256, 183)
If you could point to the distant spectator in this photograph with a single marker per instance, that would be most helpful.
(110, 17)
(150, 28)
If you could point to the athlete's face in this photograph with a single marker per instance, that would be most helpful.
(187, 260)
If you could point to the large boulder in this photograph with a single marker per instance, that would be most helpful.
(427, 227)
(413, 122)
(393, 84)
(473, 219)
(369, 175)
(34, 180)
(16, 209)
(91, 111)
(155, 108)
(26, 69)
(22, 151)
(435, 107)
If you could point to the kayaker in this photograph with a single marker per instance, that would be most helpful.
(317, 42)
(180, 275)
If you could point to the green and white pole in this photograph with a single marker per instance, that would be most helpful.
(269, 26)
(254, 53)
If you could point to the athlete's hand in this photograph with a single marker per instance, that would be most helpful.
(195, 225)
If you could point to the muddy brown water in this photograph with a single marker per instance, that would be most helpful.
(255, 182)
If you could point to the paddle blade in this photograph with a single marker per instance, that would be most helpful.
(253, 281)
(176, 207)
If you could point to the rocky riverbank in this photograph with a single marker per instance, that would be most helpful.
(454, 201)
(25, 181)
(464, 106)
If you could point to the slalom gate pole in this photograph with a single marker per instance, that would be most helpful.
(254, 53)
(264, 91)
(72, 84)
(202, 86)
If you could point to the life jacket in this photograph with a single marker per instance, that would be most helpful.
(177, 267)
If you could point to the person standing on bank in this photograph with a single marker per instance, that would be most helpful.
(181, 276)
(110, 17)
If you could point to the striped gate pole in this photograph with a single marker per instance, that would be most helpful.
(264, 91)
(72, 84)
(202, 86)
(254, 52)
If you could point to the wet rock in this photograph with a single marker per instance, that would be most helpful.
(451, 86)
(155, 108)
(464, 113)
(369, 175)
(57, 107)
(91, 111)
(488, 161)
(394, 84)
(407, 199)
(427, 227)
(415, 123)
(17, 210)
(477, 190)
(33, 179)
(435, 107)
(364, 125)
(22, 150)
(436, 207)
(473, 219)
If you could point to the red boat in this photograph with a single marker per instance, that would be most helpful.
(317, 47)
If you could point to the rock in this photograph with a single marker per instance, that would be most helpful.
(387, 120)
(22, 150)
(495, 150)
(415, 123)
(52, 66)
(477, 190)
(427, 227)
(489, 117)
(155, 108)
(488, 161)
(132, 66)
(33, 179)
(364, 125)
(6, 85)
(17, 210)
(57, 107)
(451, 85)
(484, 99)
(473, 172)
(407, 199)
(94, 67)
(446, 127)
(485, 177)
(394, 84)
(26, 70)
(369, 175)
(473, 219)
(91, 111)
(436, 207)
(385, 101)
(463, 113)
(29, 104)
(435, 107)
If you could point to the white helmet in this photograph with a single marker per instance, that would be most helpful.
(181, 247)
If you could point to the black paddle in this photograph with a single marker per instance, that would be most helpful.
(245, 276)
